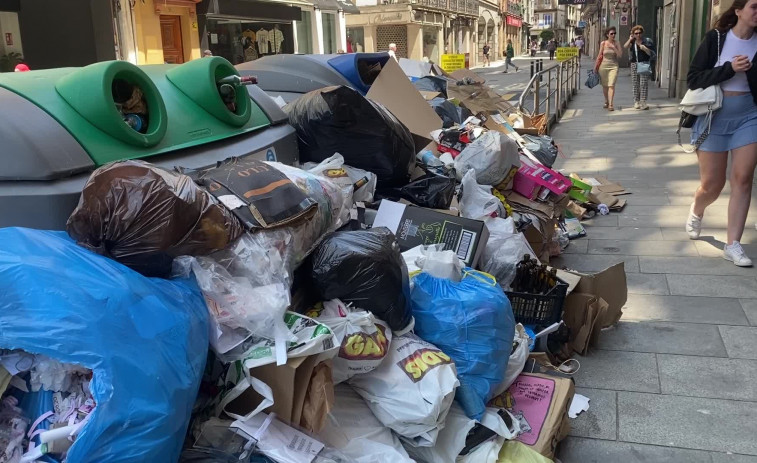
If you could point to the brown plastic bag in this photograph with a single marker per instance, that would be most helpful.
(144, 216)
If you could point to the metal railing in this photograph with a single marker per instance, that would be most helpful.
(561, 83)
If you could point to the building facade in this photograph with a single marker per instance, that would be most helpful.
(489, 28)
(421, 29)
(513, 13)
(561, 19)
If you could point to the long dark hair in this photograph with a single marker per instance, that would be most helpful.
(728, 19)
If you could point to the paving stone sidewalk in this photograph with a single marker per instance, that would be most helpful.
(676, 380)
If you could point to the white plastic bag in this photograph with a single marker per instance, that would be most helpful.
(352, 429)
(493, 156)
(478, 202)
(363, 340)
(242, 381)
(517, 359)
(309, 337)
(333, 168)
(278, 440)
(452, 438)
(505, 248)
(413, 389)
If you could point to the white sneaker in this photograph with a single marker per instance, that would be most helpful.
(735, 253)
(693, 224)
(636, 105)
(644, 105)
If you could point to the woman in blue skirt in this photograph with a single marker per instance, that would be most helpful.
(734, 125)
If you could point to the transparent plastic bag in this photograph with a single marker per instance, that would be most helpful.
(504, 250)
(345, 176)
(477, 201)
(493, 156)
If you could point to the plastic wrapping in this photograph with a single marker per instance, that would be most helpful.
(341, 120)
(493, 156)
(363, 341)
(504, 249)
(433, 190)
(144, 216)
(473, 323)
(345, 176)
(450, 113)
(517, 360)
(412, 391)
(63, 301)
(543, 148)
(352, 429)
(365, 268)
(477, 201)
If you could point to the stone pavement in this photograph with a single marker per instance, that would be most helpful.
(676, 380)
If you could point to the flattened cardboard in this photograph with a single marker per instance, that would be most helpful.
(598, 197)
(606, 186)
(393, 90)
(609, 284)
(556, 425)
(582, 313)
(429, 95)
(289, 383)
(461, 74)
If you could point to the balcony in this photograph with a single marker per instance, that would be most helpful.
(466, 7)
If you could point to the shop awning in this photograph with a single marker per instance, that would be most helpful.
(10, 5)
(348, 7)
(325, 4)
(280, 10)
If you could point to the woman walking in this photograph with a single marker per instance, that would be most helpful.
(509, 55)
(639, 53)
(607, 65)
(733, 127)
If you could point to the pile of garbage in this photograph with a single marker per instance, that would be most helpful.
(388, 300)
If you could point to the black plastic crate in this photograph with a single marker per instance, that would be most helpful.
(539, 309)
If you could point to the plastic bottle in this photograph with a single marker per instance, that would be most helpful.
(135, 121)
(428, 158)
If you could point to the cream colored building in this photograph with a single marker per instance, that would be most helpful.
(421, 29)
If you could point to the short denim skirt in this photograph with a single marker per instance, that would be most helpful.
(734, 125)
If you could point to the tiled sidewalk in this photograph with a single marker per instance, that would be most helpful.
(676, 380)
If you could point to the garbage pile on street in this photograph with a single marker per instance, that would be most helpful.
(389, 299)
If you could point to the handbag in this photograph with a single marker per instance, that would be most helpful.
(700, 102)
(643, 68)
(592, 80)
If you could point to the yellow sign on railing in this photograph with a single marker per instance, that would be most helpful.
(566, 53)
(452, 62)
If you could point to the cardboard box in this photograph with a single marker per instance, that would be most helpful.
(393, 89)
(531, 177)
(594, 303)
(414, 226)
(289, 383)
(540, 402)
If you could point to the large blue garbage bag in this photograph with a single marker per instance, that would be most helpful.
(472, 322)
(145, 339)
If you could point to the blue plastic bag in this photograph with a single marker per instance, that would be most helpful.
(472, 322)
(593, 79)
(145, 340)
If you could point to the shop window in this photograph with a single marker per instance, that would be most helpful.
(329, 33)
(430, 43)
(305, 33)
(240, 41)
(355, 40)
(392, 34)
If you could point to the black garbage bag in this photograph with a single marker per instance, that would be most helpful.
(434, 190)
(340, 120)
(366, 268)
(547, 151)
(432, 84)
(449, 112)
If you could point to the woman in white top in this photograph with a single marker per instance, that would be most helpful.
(733, 127)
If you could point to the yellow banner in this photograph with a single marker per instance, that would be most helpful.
(564, 53)
(452, 62)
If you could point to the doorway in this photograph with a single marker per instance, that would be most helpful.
(170, 34)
